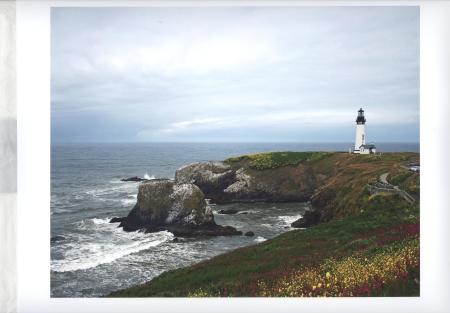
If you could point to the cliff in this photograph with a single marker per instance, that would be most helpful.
(335, 183)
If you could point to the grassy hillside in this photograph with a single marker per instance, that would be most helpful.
(368, 246)
(271, 160)
(341, 177)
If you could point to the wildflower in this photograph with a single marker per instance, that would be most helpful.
(352, 276)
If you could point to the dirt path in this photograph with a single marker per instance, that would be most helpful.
(383, 178)
(404, 194)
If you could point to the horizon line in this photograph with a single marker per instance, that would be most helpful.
(240, 142)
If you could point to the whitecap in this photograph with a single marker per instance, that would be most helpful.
(260, 239)
(248, 212)
(125, 187)
(100, 221)
(130, 200)
(84, 254)
(91, 223)
(288, 220)
(146, 176)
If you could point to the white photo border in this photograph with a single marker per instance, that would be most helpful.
(33, 104)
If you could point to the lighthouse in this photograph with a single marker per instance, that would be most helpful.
(360, 139)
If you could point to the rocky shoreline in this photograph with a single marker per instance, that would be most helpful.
(180, 205)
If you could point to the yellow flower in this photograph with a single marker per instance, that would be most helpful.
(328, 275)
(314, 287)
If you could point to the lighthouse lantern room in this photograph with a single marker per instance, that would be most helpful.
(360, 140)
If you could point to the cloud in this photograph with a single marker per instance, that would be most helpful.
(277, 121)
(232, 73)
(185, 126)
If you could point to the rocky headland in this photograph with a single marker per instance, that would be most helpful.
(333, 183)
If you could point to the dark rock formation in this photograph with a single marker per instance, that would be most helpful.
(209, 229)
(310, 218)
(116, 220)
(229, 211)
(211, 177)
(249, 234)
(57, 238)
(179, 208)
(223, 183)
(134, 178)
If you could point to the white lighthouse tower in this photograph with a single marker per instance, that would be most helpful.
(360, 139)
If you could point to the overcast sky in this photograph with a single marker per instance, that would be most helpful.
(234, 74)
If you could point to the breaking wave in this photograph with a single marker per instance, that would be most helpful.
(109, 244)
(260, 239)
(146, 176)
(288, 220)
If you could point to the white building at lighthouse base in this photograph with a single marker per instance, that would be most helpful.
(366, 149)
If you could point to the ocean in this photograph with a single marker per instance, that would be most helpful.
(91, 257)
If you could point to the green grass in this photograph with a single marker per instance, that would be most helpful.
(271, 160)
(357, 223)
(400, 178)
(392, 156)
(385, 220)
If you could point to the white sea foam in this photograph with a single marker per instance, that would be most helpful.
(260, 239)
(146, 176)
(107, 244)
(130, 200)
(100, 221)
(125, 187)
(288, 220)
(248, 212)
(90, 224)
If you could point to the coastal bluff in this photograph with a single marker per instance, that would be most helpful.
(334, 183)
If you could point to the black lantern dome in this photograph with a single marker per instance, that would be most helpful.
(361, 119)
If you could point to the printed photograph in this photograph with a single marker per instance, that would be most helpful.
(236, 151)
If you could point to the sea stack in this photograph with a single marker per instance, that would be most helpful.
(179, 208)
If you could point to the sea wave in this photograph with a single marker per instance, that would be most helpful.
(288, 220)
(131, 199)
(248, 211)
(260, 239)
(124, 187)
(146, 176)
(105, 243)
